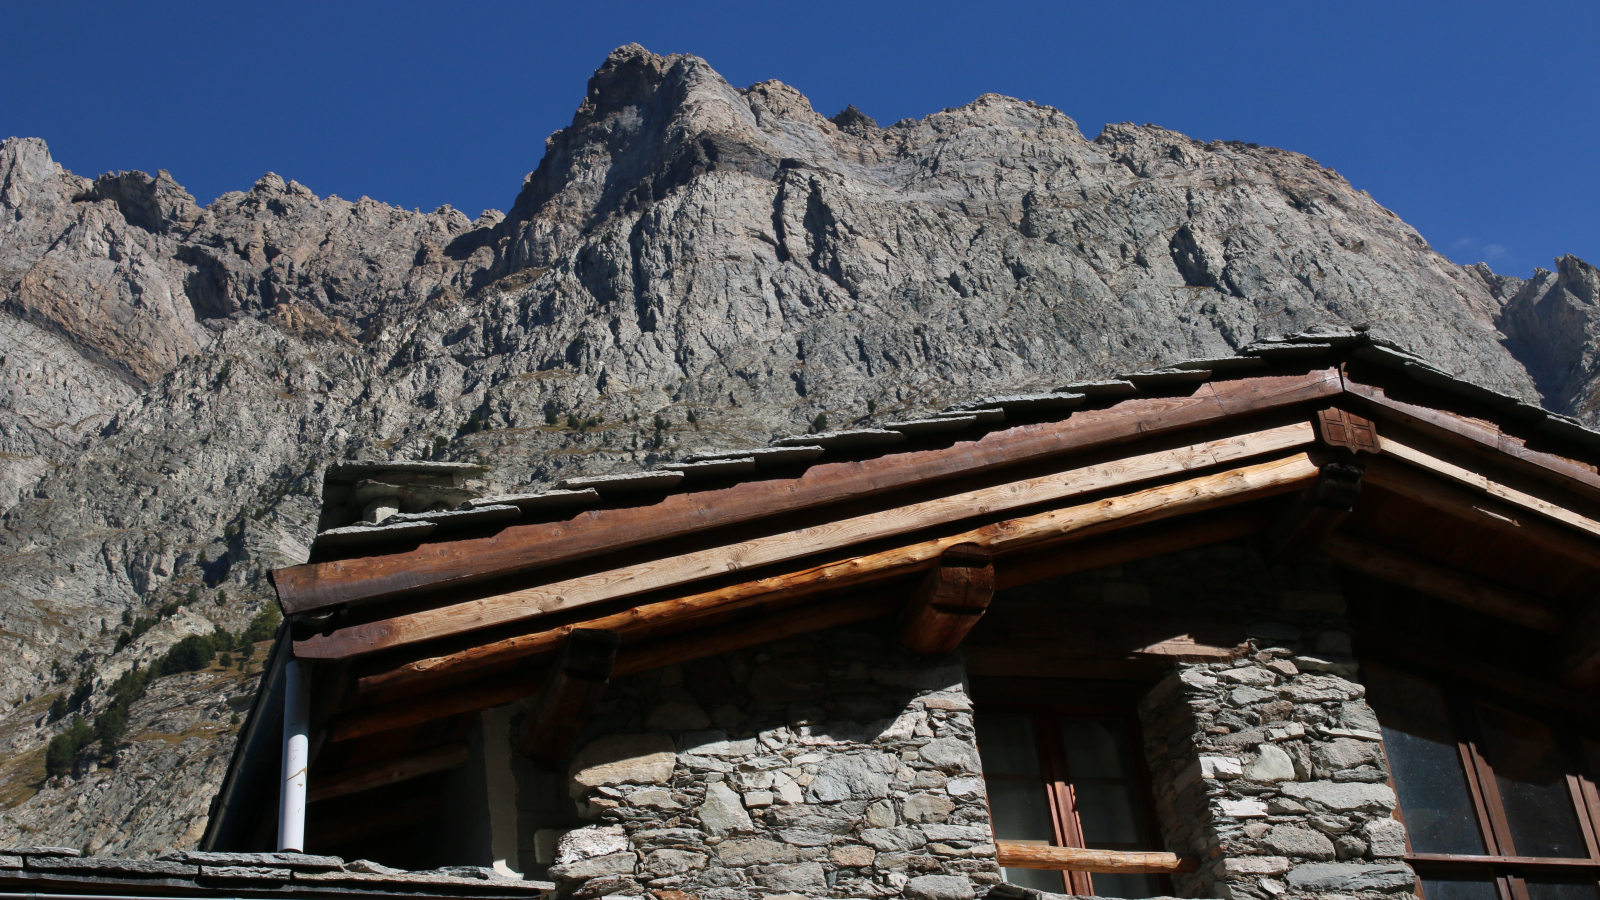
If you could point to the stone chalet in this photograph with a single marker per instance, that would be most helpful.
(1314, 621)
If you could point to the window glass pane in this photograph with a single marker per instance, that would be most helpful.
(1571, 887)
(1104, 794)
(1046, 880)
(1109, 816)
(1532, 779)
(1127, 887)
(1421, 745)
(1459, 887)
(1096, 748)
(1006, 744)
(1020, 811)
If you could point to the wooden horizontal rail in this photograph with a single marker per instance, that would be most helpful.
(631, 580)
(1463, 859)
(1017, 855)
(522, 548)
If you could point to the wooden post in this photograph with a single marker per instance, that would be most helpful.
(577, 679)
(950, 600)
(1319, 510)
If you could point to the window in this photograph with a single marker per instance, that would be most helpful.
(1069, 777)
(1498, 805)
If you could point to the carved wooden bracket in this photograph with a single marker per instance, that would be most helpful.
(1347, 431)
(950, 600)
(569, 695)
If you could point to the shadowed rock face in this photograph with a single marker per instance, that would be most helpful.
(173, 377)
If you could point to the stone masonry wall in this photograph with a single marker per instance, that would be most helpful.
(834, 764)
(839, 765)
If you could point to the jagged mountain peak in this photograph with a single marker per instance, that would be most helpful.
(725, 261)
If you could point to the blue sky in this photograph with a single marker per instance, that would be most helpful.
(1478, 123)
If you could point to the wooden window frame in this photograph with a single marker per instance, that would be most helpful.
(1059, 786)
(1507, 870)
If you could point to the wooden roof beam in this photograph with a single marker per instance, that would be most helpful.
(631, 580)
(521, 548)
(1318, 510)
(1437, 581)
(949, 601)
(1020, 855)
(387, 772)
(1480, 509)
(568, 697)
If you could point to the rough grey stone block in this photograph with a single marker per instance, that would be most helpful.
(1329, 877)
(939, 887)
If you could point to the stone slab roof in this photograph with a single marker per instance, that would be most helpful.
(978, 415)
(63, 870)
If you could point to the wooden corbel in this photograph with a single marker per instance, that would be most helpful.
(1321, 508)
(572, 689)
(950, 600)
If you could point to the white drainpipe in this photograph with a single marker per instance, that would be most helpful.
(296, 757)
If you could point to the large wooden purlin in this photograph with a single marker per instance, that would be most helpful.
(1212, 491)
(631, 580)
(522, 548)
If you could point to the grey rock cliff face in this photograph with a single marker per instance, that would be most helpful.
(173, 376)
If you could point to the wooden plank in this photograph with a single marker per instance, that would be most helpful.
(1019, 855)
(1480, 482)
(1318, 510)
(1479, 436)
(626, 581)
(1086, 556)
(380, 774)
(568, 697)
(949, 601)
(1479, 509)
(521, 548)
(1436, 581)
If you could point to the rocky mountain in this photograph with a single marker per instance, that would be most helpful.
(692, 265)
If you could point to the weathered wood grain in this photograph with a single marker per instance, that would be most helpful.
(1017, 855)
(521, 548)
(375, 775)
(949, 601)
(626, 581)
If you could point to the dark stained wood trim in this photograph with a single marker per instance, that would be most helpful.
(390, 771)
(1470, 591)
(1479, 509)
(1457, 858)
(1477, 435)
(521, 548)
